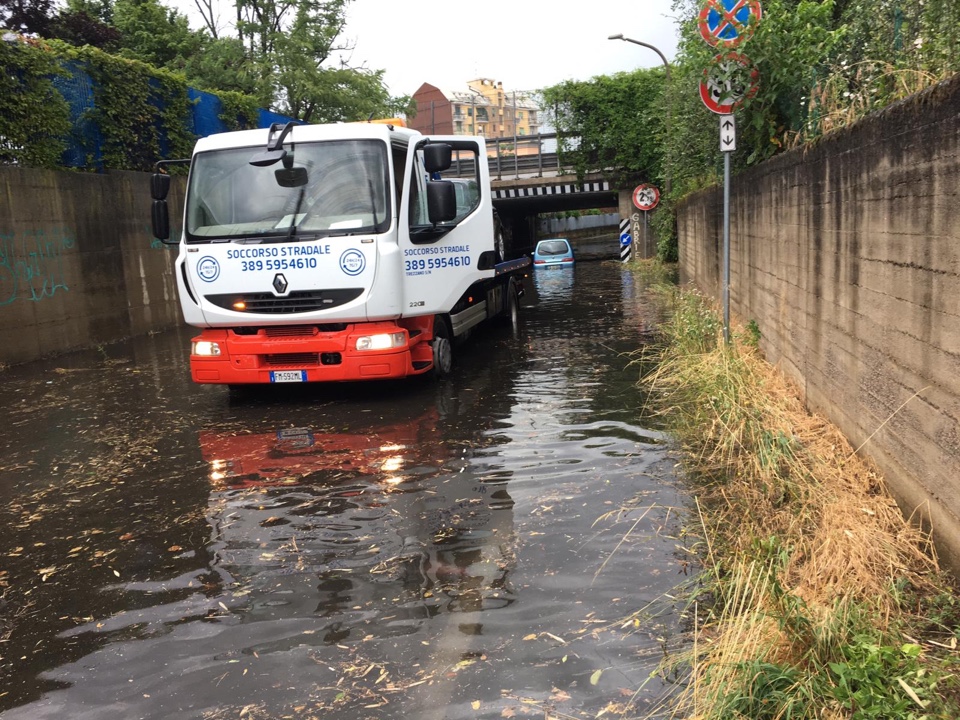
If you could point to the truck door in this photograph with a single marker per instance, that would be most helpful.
(441, 260)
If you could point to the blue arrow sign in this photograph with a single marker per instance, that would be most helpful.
(625, 238)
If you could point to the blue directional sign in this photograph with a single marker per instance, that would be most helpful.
(727, 23)
(625, 238)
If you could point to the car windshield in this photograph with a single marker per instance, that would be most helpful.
(329, 188)
(553, 247)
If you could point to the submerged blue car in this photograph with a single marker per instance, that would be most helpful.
(555, 252)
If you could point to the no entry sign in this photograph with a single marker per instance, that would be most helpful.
(646, 197)
(727, 23)
(727, 82)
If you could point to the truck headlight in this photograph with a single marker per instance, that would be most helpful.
(383, 341)
(204, 348)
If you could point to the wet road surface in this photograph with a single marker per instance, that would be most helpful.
(503, 543)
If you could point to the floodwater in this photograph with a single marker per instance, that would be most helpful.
(507, 542)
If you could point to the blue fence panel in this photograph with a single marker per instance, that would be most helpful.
(84, 146)
(268, 117)
(206, 113)
(85, 141)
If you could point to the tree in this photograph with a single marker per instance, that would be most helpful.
(26, 16)
(222, 64)
(155, 34)
(79, 27)
(611, 123)
(292, 43)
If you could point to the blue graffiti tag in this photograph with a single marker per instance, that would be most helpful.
(31, 264)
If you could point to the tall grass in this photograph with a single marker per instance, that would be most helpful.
(817, 585)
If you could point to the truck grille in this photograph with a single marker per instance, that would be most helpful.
(292, 359)
(275, 331)
(296, 302)
(302, 359)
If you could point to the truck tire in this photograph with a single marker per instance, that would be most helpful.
(510, 314)
(499, 238)
(442, 348)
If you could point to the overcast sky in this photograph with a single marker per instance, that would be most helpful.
(525, 44)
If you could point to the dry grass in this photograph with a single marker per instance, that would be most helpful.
(809, 554)
(849, 93)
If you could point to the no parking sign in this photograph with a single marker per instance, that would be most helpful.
(727, 23)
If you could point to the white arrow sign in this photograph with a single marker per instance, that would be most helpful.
(728, 133)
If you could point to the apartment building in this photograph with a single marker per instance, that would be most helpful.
(483, 108)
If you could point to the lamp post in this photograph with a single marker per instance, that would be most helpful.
(666, 66)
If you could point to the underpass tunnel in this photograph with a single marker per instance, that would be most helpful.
(519, 215)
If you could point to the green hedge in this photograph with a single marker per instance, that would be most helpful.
(142, 113)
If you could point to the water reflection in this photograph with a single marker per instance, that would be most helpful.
(554, 285)
(361, 510)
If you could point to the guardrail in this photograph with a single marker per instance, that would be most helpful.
(523, 156)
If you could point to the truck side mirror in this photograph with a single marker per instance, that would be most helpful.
(437, 157)
(160, 219)
(441, 201)
(159, 186)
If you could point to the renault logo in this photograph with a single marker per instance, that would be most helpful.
(280, 284)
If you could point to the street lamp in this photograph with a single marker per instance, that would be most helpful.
(666, 66)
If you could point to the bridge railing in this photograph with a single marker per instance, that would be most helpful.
(513, 158)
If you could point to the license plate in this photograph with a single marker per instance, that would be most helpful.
(282, 376)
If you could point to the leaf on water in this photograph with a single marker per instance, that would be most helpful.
(126, 536)
(115, 572)
(595, 678)
(223, 606)
(508, 713)
(46, 572)
(174, 548)
(475, 704)
(531, 636)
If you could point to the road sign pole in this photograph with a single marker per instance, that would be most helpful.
(646, 243)
(726, 247)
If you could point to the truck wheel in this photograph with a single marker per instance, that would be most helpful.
(499, 241)
(511, 310)
(442, 348)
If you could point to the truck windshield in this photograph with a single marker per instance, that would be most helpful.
(343, 191)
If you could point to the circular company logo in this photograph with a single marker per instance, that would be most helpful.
(352, 262)
(208, 269)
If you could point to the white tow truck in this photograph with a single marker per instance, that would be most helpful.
(314, 253)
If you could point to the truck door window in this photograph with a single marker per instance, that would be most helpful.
(464, 174)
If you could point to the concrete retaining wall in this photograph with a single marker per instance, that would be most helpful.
(847, 255)
(78, 264)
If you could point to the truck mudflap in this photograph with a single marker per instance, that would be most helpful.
(312, 353)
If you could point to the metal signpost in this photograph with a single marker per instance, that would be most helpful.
(727, 82)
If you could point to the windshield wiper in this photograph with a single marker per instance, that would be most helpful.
(292, 230)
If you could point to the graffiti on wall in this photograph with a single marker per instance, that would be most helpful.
(31, 264)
